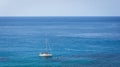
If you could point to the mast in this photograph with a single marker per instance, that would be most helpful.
(46, 43)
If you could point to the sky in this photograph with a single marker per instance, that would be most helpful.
(59, 7)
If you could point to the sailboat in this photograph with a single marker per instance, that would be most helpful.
(45, 54)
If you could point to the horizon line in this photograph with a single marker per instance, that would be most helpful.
(59, 16)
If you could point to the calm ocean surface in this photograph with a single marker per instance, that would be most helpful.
(73, 41)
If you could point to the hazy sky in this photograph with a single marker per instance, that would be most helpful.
(59, 7)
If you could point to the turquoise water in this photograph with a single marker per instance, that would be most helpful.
(73, 42)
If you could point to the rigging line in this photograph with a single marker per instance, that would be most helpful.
(49, 48)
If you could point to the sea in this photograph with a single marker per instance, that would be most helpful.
(73, 41)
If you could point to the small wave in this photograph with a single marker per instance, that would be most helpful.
(68, 49)
(93, 35)
(3, 59)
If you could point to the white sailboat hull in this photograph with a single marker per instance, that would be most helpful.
(45, 55)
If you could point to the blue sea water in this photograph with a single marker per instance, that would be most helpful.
(73, 41)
